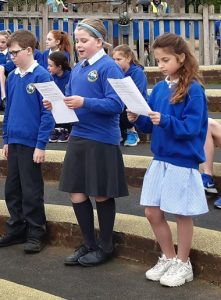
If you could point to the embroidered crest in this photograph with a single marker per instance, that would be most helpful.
(30, 88)
(92, 76)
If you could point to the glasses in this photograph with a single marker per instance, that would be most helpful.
(15, 52)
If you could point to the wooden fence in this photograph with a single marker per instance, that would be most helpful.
(197, 28)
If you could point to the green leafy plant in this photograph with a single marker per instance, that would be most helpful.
(124, 19)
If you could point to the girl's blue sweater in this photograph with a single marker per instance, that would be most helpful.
(99, 116)
(179, 138)
(62, 81)
(45, 55)
(26, 121)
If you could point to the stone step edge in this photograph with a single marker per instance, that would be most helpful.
(130, 161)
(12, 290)
(134, 239)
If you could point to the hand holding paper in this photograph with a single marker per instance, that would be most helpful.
(51, 92)
(130, 95)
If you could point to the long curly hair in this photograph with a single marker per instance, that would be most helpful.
(189, 70)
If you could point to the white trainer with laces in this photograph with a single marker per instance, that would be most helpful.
(178, 273)
(159, 269)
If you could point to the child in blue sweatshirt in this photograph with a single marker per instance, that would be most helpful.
(26, 129)
(6, 65)
(125, 58)
(59, 68)
(56, 41)
(93, 164)
(178, 123)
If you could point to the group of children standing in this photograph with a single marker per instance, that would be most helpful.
(93, 165)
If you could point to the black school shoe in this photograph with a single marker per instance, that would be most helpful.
(10, 239)
(34, 245)
(94, 258)
(72, 260)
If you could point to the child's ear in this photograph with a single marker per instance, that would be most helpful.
(30, 51)
(182, 57)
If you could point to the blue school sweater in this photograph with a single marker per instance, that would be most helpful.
(6, 62)
(179, 138)
(38, 56)
(45, 55)
(137, 74)
(99, 116)
(26, 121)
(62, 81)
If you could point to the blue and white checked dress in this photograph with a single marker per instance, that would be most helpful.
(174, 189)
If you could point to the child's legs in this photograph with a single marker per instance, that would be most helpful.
(124, 123)
(213, 139)
(85, 215)
(184, 236)
(32, 190)
(161, 230)
(13, 192)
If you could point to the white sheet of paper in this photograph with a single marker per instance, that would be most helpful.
(130, 95)
(51, 92)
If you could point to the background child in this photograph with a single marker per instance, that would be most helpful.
(56, 41)
(6, 64)
(26, 129)
(59, 68)
(125, 58)
(93, 164)
(213, 139)
(173, 183)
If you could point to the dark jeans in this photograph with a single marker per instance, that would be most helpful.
(24, 191)
(124, 124)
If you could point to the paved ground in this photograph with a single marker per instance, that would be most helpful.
(116, 280)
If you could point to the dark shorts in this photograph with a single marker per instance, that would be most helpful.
(93, 168)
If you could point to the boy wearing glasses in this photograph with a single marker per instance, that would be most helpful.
(26, 129)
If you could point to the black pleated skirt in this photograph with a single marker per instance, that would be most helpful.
(93, 168)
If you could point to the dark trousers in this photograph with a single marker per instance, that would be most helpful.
(24, 191)
(125, 124)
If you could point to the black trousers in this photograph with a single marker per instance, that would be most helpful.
(24, 191)
(125, 124)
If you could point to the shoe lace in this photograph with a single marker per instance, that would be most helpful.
(161, 262)
(177, 266)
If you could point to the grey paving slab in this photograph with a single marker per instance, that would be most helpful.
(118, 279)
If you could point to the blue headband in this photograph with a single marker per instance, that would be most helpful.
(92, 29)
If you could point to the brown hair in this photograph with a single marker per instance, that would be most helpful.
(6, 33)
(60, 59)
(24, 38)
(99, 26)
(62, 36)
(127, 52)
(189, 70)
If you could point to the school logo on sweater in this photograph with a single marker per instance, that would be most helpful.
(30, 88)
(92, 76)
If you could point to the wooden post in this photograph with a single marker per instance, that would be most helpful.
(44, 10)
(206, 35)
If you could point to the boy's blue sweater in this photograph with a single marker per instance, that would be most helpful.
(6, 62)
(137, 74)
(99, 116)
(62, 81)
(26, 121)
(179, 138)
(45, 55)
(38, 56)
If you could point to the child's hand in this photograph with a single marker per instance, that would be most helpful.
(5, 151)
(39, 156)
(73, 102)
(47, 104)
(132, 117)
(155, 117)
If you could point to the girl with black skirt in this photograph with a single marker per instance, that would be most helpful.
(93, 164)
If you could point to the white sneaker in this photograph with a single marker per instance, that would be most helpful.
(178, 273)
(159, 269)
